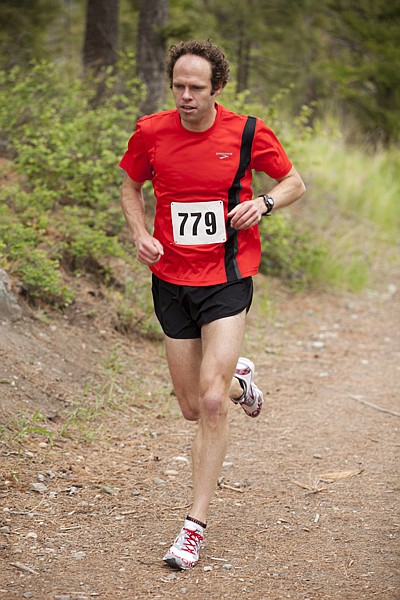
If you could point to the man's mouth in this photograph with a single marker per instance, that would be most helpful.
(187, 109)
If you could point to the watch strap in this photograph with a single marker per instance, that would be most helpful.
(269, 203)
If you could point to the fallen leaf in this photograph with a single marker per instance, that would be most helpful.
(338, 475)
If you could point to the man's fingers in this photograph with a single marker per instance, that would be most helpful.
(244, 216)
(150, 252)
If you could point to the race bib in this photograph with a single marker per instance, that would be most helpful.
(198, 223)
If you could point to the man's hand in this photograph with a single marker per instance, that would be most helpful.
(287, 190)
(149, 249)
(247, 214)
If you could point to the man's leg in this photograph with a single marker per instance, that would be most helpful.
(201, 372)
(221, 343)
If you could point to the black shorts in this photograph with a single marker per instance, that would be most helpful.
(183, 309)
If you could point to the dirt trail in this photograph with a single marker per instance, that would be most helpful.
(307, 507)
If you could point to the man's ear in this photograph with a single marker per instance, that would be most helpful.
(217, 91)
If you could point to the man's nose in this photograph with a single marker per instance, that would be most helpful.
(187, 93)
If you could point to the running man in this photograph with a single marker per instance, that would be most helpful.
(203, 252)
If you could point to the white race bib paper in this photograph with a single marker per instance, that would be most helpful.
(198, 223)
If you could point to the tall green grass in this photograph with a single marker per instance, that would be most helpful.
(352, 204)
(360, 184)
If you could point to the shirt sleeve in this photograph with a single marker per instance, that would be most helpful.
(268, 154)
(135, 161)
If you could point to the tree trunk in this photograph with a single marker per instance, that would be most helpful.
(243, 58)
(101, 35)
(151, 50)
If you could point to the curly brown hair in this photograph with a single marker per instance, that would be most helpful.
(206, 49)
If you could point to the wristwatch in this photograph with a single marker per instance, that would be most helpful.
(269, 203)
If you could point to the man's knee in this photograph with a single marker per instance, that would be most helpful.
(214, 406)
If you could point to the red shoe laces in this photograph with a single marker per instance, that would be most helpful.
(193, 539)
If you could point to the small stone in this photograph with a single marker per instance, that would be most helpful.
(40, 477)
(171, 577)
(135, 492)
(27, 595)
(171, 472)
(208, 568)
(31, 535)
(158, 481)
(108, 490)
(318, 345)
(5, 529)
(40, 488)
(227, 566)
(78, 554)
(181, 459)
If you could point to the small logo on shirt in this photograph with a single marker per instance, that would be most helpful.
(223, 155)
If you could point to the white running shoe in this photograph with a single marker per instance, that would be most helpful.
(252, 399)
(184, 552)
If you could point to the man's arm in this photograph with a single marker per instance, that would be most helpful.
(287, 190)
(149, 249)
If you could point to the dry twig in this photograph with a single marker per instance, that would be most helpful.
(375, 406)
(23, 567)
(230, 487)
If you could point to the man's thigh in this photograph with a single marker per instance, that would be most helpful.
(221, 345)
(184, 361)
(206, 363)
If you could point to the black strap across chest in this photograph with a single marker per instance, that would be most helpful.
(231, 245)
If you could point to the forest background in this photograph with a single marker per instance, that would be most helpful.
(76, 75)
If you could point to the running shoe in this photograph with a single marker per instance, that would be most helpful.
(184, 552)
(252, 399)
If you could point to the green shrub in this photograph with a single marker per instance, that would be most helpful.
(41, 278)
(289, 253)
(64, 210)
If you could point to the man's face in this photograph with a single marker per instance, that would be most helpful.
(191, 88)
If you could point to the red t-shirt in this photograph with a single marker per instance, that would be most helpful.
(192, 175)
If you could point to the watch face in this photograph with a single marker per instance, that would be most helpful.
(269, 203)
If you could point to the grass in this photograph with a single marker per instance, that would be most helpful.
(24, 426)
(361, 185)
(352, 206)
